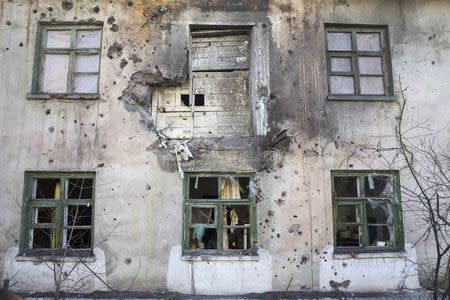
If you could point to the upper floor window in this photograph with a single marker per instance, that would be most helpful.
(58, 213)
(367, 210)
(67, 60)
(358, 63)
(219, 215)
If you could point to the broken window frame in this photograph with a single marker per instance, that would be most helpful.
(362, 200)
(354, 54)
(30, 203)
(41, 50)
(217, 204)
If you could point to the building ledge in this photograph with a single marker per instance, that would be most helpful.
(63, 96)
(368, 98)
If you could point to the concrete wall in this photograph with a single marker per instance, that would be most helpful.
(139, 193)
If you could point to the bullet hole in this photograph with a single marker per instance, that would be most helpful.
(7, 49)
(304, 260)
(115, 50)
(100, 165)
(95, 9)
(335, 273)
(290, 52)
(47, 112)
(433, 36)
(135, 59)
(85, 135)
(296, 172)
(50, 8)
(123, 63)
(283, 194)
(114, 28)
(148, 187)
(298, 266)
(433, 62)
(67, 4)
(344, 265)
(350, 165)
(75, 121)
(50, 161)
(104, 146)
(34, 11)
(127, 261)
(111, 20)
(20, 44)
(270, 213)
(264, 25)
(51, 129)
(62, 131)
(278, 235)
(43, 15)
(114, 219)
(266, 220)
(130, 3)
(8, 23)
(280, 201)
(295, 216)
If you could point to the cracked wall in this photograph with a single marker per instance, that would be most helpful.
(299, 139)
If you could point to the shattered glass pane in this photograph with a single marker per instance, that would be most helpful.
(79, 215)
(85, 84)
(56, 67)
(379, 186)
(345, 186)
(339, 41)
(47, 188)
(368, 41)
(202, 238)
(372, 85)
(236, 238)
(380, 236)
(87, 63)
(203, 215)
(203, 188)
(234, 187)
(378, 213)
(341, 64)
(78, 238)
(88, 39)
(42, 238)
(44, 215)
(58, 39)
(80, 188)
(348, 214)
(342, 85)
(370, 65)
(236, 215)
(348, 236)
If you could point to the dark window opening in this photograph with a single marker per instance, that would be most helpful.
(203, 188)
(185, 99)
(47, 188)
(199, 100)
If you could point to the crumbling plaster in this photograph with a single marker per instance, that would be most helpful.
(145, 45)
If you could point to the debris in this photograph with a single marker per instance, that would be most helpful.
(336, 285)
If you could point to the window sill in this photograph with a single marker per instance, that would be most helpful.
(244, 255)
(361, 98)
(63, 96)
(386, 252)
(56, 256)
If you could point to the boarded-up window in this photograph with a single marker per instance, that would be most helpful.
(218, 86)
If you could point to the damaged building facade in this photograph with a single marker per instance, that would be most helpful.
(215, 147)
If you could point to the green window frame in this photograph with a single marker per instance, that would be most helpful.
(219, 218)
(358, 56)
(76, 49)
(367, 212)
(58, 214)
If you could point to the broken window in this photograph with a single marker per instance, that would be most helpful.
(220, 213)
(68, 60)
(215, 101)
(59, 212)
(358, 61)
(367, 210)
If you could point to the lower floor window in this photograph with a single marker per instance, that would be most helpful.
(219, 213)
(367, 210)
(57, 212)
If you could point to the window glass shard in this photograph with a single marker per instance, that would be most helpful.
(346, 186)
(379, 186)
(203, 215)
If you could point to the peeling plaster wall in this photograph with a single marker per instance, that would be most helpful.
(139, 193)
